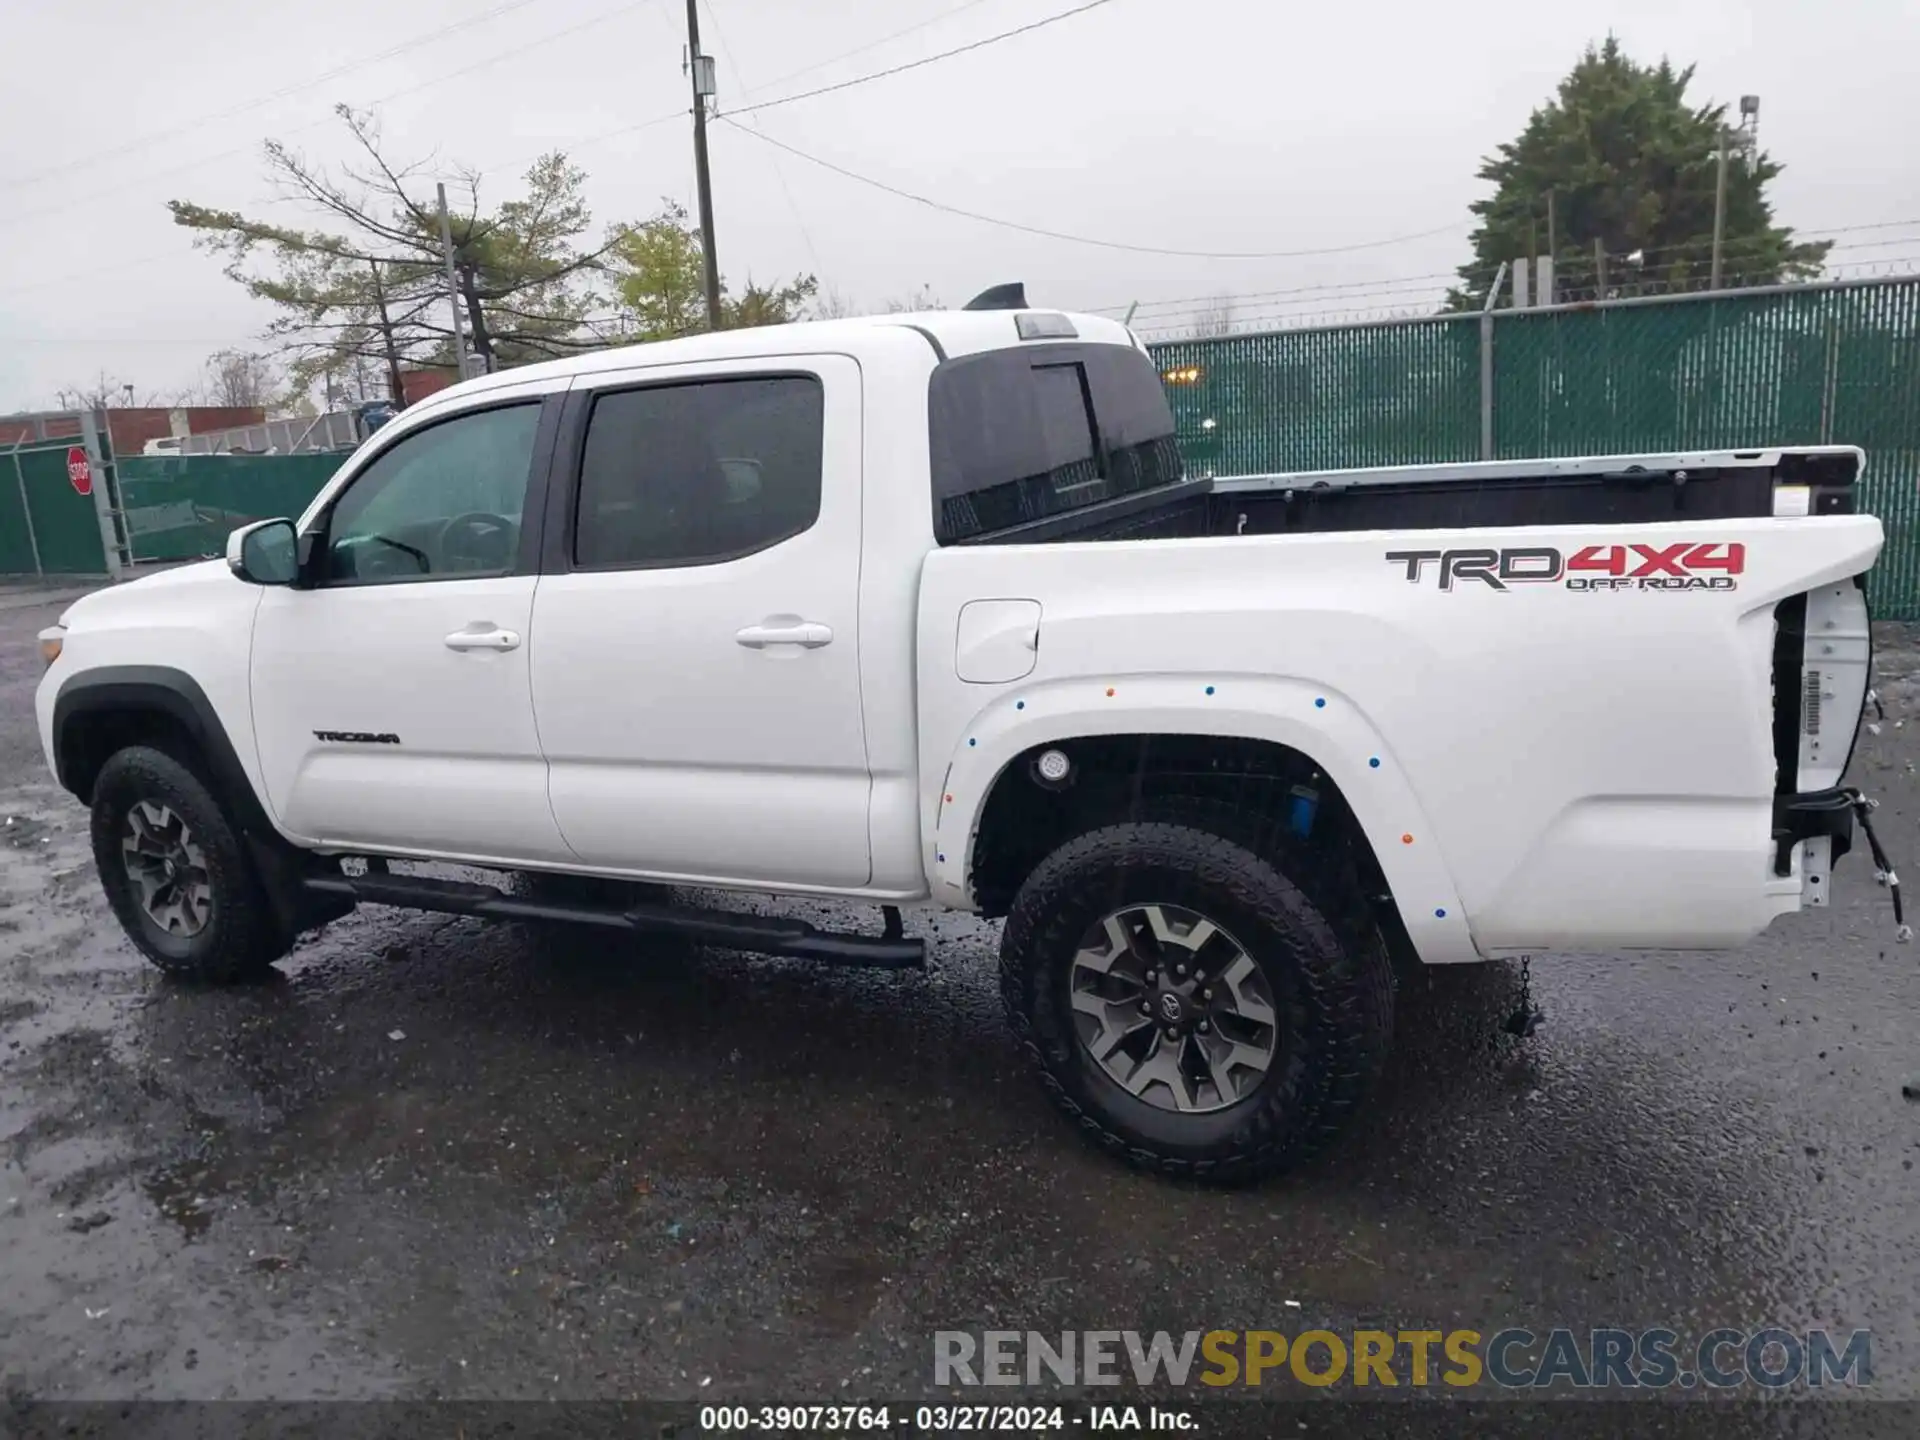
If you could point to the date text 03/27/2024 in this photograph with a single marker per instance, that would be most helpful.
(941, 1419)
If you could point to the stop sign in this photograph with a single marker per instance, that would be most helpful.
(79, 471)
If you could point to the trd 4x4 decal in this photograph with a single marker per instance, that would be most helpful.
(1685, 566)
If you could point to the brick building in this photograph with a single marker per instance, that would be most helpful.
(131, 428)
(416, 385)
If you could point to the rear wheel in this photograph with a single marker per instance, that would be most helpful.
(176, 873)
(1188, 1005)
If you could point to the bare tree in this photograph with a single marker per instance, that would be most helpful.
(239, 379)
(107, 392)
(834, 304)
(921, 299)
(1216, 319)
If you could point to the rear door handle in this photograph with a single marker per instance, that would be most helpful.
(488, 639)
(808, 634)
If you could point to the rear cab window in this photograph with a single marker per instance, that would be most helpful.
(1028, 434)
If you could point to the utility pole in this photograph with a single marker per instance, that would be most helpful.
(1719, 206)
(1747, 138)
(700, 67)
(453, 287)
(1548, 288)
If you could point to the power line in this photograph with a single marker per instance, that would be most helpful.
(1241, 310)
(1281, 317)
(581, 142)
(570, 145)
(90, 273)
(1287, 320)
(1217, 296)
(145, 141)
(1402, 284)
(1254, 324)
(929, 60)
(1704, 243)
(511, 54)
(1082, 239)
(862, 49)
(779, 174)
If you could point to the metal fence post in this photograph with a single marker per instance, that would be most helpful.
(1486, 363)
(92, 427)
(26, 508)
(1829, 378)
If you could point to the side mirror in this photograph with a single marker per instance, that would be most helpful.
(265, 553)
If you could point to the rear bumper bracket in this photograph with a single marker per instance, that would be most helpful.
(1812, 815)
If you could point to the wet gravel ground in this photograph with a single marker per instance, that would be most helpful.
(436, 1158)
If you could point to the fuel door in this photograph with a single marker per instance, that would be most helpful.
(997, 641)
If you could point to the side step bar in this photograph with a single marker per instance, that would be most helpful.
(764, 935)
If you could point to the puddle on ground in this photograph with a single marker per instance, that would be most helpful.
(177, 1192)
(22, 831)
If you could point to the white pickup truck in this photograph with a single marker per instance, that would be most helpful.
(924, 611)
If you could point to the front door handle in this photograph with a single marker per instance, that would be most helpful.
(808, 634)
(490, 638)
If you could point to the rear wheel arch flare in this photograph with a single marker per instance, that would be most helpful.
(1245, 783)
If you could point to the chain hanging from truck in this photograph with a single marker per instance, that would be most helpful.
(1526, 1016)
(1883, 870)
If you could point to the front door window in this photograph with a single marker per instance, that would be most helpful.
(444, 503)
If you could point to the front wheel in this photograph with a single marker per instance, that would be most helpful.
(1188, 1005)
(175, 872)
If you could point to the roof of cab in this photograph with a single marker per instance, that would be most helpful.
(950, 333)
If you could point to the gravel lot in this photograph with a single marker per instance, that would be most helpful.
(437, 1158)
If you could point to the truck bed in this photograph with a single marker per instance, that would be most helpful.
(1596, 490)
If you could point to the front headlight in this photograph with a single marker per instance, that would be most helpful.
(52, 639)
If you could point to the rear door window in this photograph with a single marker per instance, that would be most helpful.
(1022, 435)
(697, 472)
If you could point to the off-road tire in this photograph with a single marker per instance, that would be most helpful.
(1328, 971)
(242, 938)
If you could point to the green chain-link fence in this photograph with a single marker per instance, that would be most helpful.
(47, 527)
(1401, 394)
(181, 507)
(1829, 364)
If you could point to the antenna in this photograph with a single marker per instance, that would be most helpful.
(1011, 296)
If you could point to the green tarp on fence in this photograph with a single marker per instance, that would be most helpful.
(182, 507)
(63, 537)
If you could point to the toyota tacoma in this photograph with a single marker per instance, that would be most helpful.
(925, 611)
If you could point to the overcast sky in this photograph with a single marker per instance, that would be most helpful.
(1218, 125)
